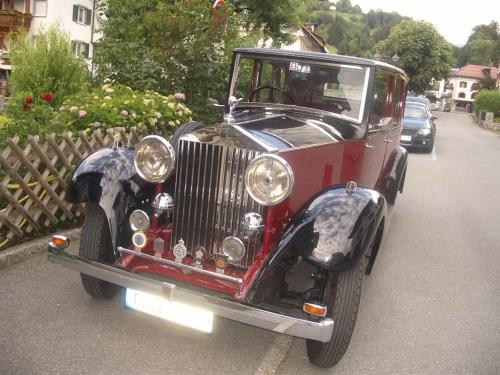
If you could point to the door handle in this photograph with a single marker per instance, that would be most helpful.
(389, 141)
(370, 146)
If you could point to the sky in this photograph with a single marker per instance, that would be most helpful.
(453, 19)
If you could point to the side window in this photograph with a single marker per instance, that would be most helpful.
(382, 98)
(82, 15)
(398, 100)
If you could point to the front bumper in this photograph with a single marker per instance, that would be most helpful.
(320, 331)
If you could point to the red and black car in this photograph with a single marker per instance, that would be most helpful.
(271, 217)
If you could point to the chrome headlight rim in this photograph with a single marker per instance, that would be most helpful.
(288, 170)
(133, 225)
(170, 150)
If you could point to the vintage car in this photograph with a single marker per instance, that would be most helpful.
(270, 217)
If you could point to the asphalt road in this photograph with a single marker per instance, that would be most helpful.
(431, 305)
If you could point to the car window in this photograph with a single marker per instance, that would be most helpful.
(382, 101)
(415, 112)
(339, 89)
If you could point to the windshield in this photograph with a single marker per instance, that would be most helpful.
(415, 112)
(339, 89)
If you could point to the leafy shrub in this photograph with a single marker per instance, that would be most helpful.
(487, 100)
(120, 106)
(49, 66)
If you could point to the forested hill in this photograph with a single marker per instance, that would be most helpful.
(347, 30)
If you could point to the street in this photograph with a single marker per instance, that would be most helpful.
(431, 305)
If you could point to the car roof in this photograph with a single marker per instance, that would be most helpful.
(317, 56)
(417, 99)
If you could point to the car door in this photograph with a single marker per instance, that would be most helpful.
(379, 128)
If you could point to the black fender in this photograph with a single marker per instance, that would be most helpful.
(393, 175)
(331, 233)
(109, 179)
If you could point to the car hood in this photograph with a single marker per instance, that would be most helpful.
(410, 123)
(275, 131)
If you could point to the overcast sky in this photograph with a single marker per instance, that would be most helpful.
(453, 19)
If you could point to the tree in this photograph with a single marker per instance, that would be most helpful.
(47, 67)
(424, 53)
(482, 47)
(170, 46)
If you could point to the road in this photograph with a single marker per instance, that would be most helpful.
(431, 305)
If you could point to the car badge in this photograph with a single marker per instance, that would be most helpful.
(180, 251)
(220, 263)
(199, 255)
(158, 246)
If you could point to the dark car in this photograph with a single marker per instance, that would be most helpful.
(420, 99)
(271, 217)
(419, 129)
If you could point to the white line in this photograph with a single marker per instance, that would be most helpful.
(275, 355)
(434, 155)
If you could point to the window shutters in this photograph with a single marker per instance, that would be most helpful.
(88, 16)
(73, 46)
(85, 50)
(75, 13)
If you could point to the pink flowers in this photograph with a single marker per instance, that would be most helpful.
(124, 113)
(82, 114)
(180, 96)
(47, 97)
(28, 100)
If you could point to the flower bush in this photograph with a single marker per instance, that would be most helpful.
(120, 106)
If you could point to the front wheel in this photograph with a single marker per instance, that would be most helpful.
(344, 298)
(95, 244)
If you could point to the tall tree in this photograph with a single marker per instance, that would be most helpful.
(482, 47)
(424, 53)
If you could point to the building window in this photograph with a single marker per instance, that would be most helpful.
(463, 85)
(82, 15)
(473, 96)
(19, 5)
(81, 48)
(461, 95)
(40, 8)
(474, 86)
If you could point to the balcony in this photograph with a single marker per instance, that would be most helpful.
(12, 19)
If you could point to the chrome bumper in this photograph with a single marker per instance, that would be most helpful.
(320, 331)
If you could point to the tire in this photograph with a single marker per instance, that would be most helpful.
(346, 294)
(184, 129)
(429, 149)
(95, 244)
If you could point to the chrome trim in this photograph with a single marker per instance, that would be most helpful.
(266, 146)
(145, 216)
(240, 312)
(180, 265)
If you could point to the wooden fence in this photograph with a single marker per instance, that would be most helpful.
(33, 180)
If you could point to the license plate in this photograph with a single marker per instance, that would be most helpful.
(406, 138)
(176, 312)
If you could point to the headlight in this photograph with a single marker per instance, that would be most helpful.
(425, 131)
(269, 179)
(154, 158)
(139, 220)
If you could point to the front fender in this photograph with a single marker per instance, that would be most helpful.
(109, 179)
(332, 233)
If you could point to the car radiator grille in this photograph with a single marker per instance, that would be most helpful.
(211, 199)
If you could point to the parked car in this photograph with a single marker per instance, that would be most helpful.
(447, 107)
(420, 99)
(423, 106)
(419, 130)
(271, 217)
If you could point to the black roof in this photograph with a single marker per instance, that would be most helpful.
(318, 56)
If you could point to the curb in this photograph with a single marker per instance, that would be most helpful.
(32, 248)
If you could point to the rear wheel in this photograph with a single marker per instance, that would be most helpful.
(95, 244)
(344, 297)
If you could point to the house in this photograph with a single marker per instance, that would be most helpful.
(464, 83)
(76, 17)
(305, 39)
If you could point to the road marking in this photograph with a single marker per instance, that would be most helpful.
(275, 355)
(434, 155)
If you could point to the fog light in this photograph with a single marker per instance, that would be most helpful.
(233, 248)
(61, 242)
(315, 309)
(139, 221)
(139, 239)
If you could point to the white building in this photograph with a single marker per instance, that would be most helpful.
(464, 83)
(75, 17)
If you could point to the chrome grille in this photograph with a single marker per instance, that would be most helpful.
(210, 197)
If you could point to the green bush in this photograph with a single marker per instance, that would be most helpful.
(120, 106)
(487, 100)
(48, 67)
